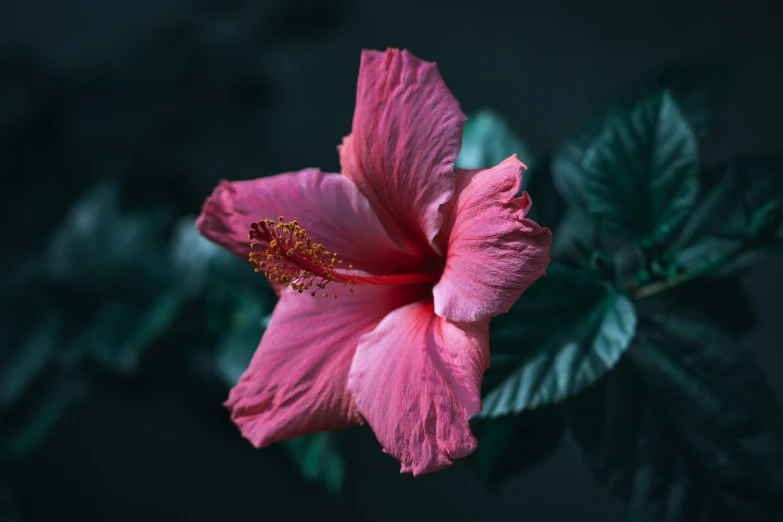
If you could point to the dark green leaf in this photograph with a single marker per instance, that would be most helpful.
(718, 193)
(567, 171)
(697, 87)
(548, 207)
(120, 333)
(23, 361)
(555, 357)
(237, 346)
(723, 256)
(192, 256)
(511, 444)
(319, 457)
(152, 325)
(218, 279)
(487, 140)
(641, 174)
(709, 297)
(98, 245)
(686, 427)
(738, 219)
(24, 431)
(575, 229)
(531, 323)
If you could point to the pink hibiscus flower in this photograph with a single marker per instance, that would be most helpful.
(430, 256)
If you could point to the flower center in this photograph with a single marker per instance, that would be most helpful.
(292, 259)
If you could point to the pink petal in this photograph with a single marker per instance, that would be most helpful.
(493, 252)
(407, 132)
(328, 206)
(296, 382)
(416, 378)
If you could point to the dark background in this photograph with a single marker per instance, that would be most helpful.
(256, 88)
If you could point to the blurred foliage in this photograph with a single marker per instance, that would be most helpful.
(319, 456)
(103, 271)
(512, 443)
(97, 294)
(488, 140)
(624, 348)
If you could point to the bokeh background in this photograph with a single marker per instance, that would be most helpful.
(142, 106)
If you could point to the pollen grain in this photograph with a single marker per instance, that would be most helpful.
(282, 251)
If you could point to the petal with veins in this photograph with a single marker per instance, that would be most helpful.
(493, 252)
(296, 382)
(407, 132)
(328, 206)
(416, 379)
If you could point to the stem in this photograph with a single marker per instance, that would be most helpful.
(660, 286)
(641, 258)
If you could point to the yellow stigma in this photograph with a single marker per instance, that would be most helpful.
(292, 259)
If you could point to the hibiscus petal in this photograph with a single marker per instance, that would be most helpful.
(493, 252)
(296, 381)
(416, 378)
(328, 206)
(407, 132)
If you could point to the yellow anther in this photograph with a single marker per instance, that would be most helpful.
(292, 259)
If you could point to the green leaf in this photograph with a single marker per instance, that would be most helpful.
(738, 219)
(487, 140)
(709, 297)
(698, 88)
(641, 174)
(120, 332)
(23, 362)
(548, 208)
(557, 357)
(718, 193)
(686, 427)
(192, 256)
(149, 328)
(99, 246)
(319, 458)
(512, 444)
(237, 346)
(23, 431)
(574, 229)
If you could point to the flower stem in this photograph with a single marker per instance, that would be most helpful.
(666, 284)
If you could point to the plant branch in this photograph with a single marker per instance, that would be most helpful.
(666, 284)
